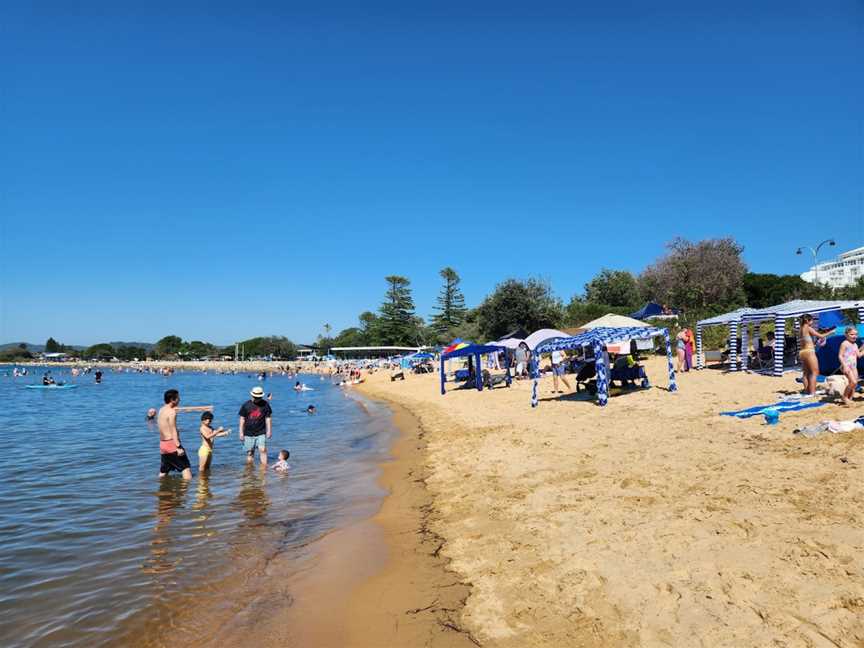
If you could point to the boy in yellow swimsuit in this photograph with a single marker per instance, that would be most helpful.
(205, 452)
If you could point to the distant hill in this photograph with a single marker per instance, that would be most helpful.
(39, 348)
(147, 346)
(35, 348)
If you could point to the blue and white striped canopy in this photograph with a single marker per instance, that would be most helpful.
(796, 308)
(604, 335)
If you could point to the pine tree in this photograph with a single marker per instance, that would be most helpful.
(451, 303)
(51, 346)
(396, 320)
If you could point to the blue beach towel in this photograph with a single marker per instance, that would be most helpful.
(782, 406)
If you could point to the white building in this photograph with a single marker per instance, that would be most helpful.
(839, 273)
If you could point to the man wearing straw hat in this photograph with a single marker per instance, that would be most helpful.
(255, 426)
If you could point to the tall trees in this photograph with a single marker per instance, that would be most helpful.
(614, 288)
(451, 303)
(514, 304)
(169, 345)
(702, 276)
(396, 324)
(51, 346)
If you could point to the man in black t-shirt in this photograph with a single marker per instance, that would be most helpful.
(255, 426)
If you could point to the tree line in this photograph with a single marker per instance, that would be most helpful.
(701, 279)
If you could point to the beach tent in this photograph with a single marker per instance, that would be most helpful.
(597, 339)
(543, 335)
(469, 350)
(611, 320)
(732, 319)
(780, 313)
(652, 310)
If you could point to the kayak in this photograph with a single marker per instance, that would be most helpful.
(51, 386)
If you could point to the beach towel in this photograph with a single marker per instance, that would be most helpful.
(782, 406)
(834, 427)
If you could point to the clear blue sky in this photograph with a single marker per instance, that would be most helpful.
(218, 171)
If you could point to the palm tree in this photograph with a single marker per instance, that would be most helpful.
(327, 329)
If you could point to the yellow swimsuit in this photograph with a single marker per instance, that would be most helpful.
(205, 450)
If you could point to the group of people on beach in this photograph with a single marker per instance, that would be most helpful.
(848, 354)
(255, 428)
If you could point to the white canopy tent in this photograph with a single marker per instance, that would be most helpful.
(543, 335)
(611, 320)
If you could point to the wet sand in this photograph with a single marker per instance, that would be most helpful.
(653, 521)
(414, 600)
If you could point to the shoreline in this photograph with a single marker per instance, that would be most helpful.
(414, 598)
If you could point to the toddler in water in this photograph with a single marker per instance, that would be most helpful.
(282, 465)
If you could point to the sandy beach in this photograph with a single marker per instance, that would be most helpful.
(653, 521)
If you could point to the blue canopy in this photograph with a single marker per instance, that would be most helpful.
(650, 310)
(475, 350)
(422, 356)
(597, 339)
(472, 349)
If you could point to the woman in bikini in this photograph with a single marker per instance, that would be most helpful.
(807, 352)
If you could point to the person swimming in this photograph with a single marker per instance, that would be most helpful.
(311, 410)
(151, 414)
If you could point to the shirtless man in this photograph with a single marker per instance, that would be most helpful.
(171, 451)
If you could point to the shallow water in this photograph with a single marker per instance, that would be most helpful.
(96, 550)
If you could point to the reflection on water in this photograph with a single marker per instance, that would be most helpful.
(97, 554)
(170, 496)
(252, 498)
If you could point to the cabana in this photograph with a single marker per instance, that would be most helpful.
(733, 321)
(780, 313)
(463, 350)
(598, 338)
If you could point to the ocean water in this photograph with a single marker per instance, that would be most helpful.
(96, 550)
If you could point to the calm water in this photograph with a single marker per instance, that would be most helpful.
(94, 548)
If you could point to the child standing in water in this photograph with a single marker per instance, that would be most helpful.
(849, 354)
(205, 452)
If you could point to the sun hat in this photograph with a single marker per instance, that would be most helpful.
(257, 392)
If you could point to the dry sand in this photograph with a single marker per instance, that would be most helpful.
(653, 521)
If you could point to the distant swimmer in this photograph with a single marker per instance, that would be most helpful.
(47, 378)
(269, 396)
(282, 465)
(208, 435)
(171, 452)
(98, 376)
(311, 410)
(298, 386)
(151, 414)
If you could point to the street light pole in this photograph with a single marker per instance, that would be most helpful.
(815, 253)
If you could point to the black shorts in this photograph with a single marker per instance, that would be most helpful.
(173, 461)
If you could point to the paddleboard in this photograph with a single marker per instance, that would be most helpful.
(51, 386)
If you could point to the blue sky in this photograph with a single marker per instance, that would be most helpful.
(218, 171)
